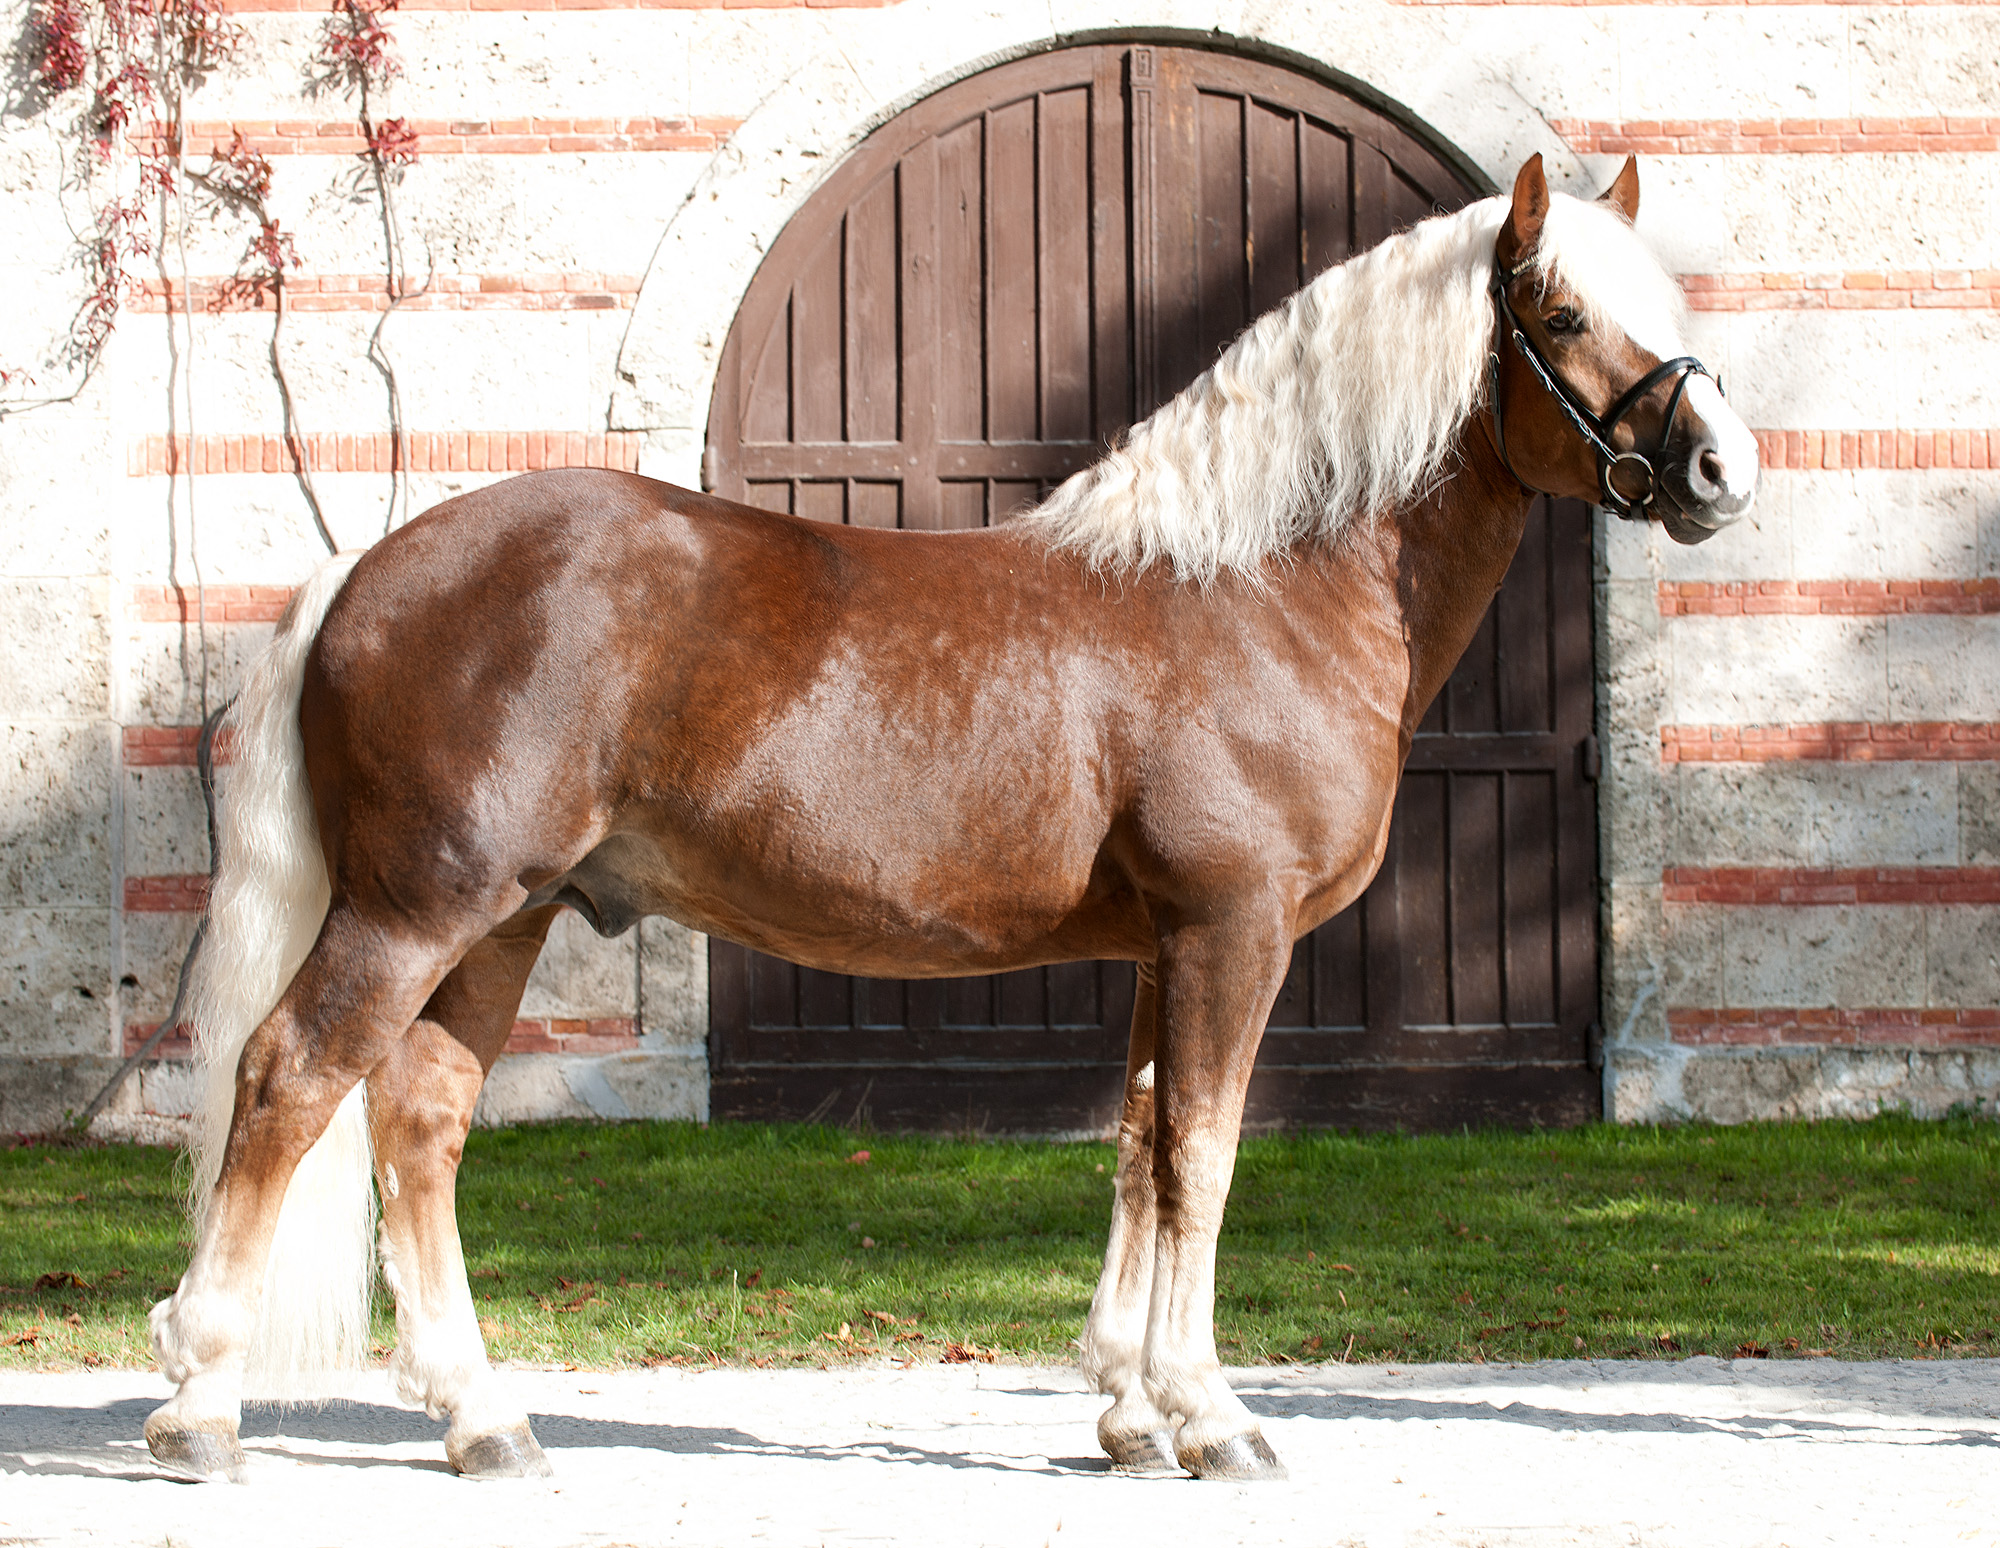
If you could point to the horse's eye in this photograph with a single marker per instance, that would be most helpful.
(1566, 320)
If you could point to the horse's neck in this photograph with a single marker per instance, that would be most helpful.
(1444, 558)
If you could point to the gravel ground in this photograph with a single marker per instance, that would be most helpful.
(1702, 1453)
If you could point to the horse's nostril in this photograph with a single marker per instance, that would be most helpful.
(1711, 467)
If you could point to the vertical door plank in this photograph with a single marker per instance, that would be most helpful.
(1010, 276)
(1423, 900)
(1074, 999)
(1064, 222)
(961, 505)
(1021, 999)
(1174, 345)
(1326, 197)
(1475, 878)
(774, 992)
(917, 353)
(874, 323)
(1222, 250)
(961, 283)
(1111, 255)
(820, 501)
(818, 300)
(1473, 693)
(768, 414)
(826, 999)
(1272, 190)
(875, 504)
(769, 495)
(1011, 497)
(1525, 675)
(1529, 916)
(1340, 970)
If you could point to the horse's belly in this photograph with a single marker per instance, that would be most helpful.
(821, 889)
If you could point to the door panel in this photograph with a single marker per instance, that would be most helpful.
(987, 290)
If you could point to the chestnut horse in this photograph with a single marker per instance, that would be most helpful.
(1161, 719)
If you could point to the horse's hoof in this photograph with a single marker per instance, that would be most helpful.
(510, 1453)
(1144, 1452)
(204, 1454)
(1244, 1458)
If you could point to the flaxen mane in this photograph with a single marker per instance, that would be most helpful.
(1345, 400)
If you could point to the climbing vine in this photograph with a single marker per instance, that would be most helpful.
(127, 69)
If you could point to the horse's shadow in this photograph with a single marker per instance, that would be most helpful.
(102, 1442)
(1571, 1421)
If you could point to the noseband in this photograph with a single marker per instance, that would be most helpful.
(1596, 430)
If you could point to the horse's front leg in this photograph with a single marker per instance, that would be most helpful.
(1134, 1434)
(1217, 981)
(354, 996)
(420, 1102)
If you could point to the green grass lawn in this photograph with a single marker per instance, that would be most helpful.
(637, 1243)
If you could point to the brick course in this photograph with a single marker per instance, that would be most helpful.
(1849, 290)
(1850, 1027)
(1904, 449)
(1799, 885)
(1837, 741)
(425, 451)
(1852, 598)
(455, 136)
(1778, 136)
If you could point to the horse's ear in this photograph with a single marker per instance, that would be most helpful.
(1524, 221)
(1623, 194)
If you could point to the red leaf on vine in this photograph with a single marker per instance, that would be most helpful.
(394, 142)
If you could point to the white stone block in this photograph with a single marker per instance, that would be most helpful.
(56, 991)
(581, 975)
(538, 1088)
(38, 679)
(162, 669)
(1862, 955)
(1964, 953)
(1776, 669)
(1735, 214)
(1811, 370)
(55, 814)
(1979, 814)
(1916, 61)
(166, 827)
(1944, 668)
(57, 473)
(1731, 62)
(673, 986)
(152, 948)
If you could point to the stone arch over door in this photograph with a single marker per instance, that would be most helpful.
(989, 287)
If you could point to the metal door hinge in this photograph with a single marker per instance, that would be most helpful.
(1593, 1045)
(1589, 762)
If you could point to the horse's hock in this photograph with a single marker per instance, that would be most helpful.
(1789, 849)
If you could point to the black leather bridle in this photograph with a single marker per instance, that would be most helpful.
(1595, 429)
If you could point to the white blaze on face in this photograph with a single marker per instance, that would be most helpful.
(1732, 463)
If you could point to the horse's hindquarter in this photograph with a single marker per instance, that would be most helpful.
(890, 753)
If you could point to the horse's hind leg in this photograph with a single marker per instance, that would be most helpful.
(354, 996)
(1216, 984)
(420, 1101)
(1133, 1432)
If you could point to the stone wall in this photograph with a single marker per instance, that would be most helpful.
(1800, 813)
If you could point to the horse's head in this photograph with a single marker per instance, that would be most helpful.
(1593, 392)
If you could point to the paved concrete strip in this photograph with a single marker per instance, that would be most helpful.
(1696, 1454)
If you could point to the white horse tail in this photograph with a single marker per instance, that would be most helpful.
(265, 911)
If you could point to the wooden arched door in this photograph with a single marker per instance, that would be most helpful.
(994, 284)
